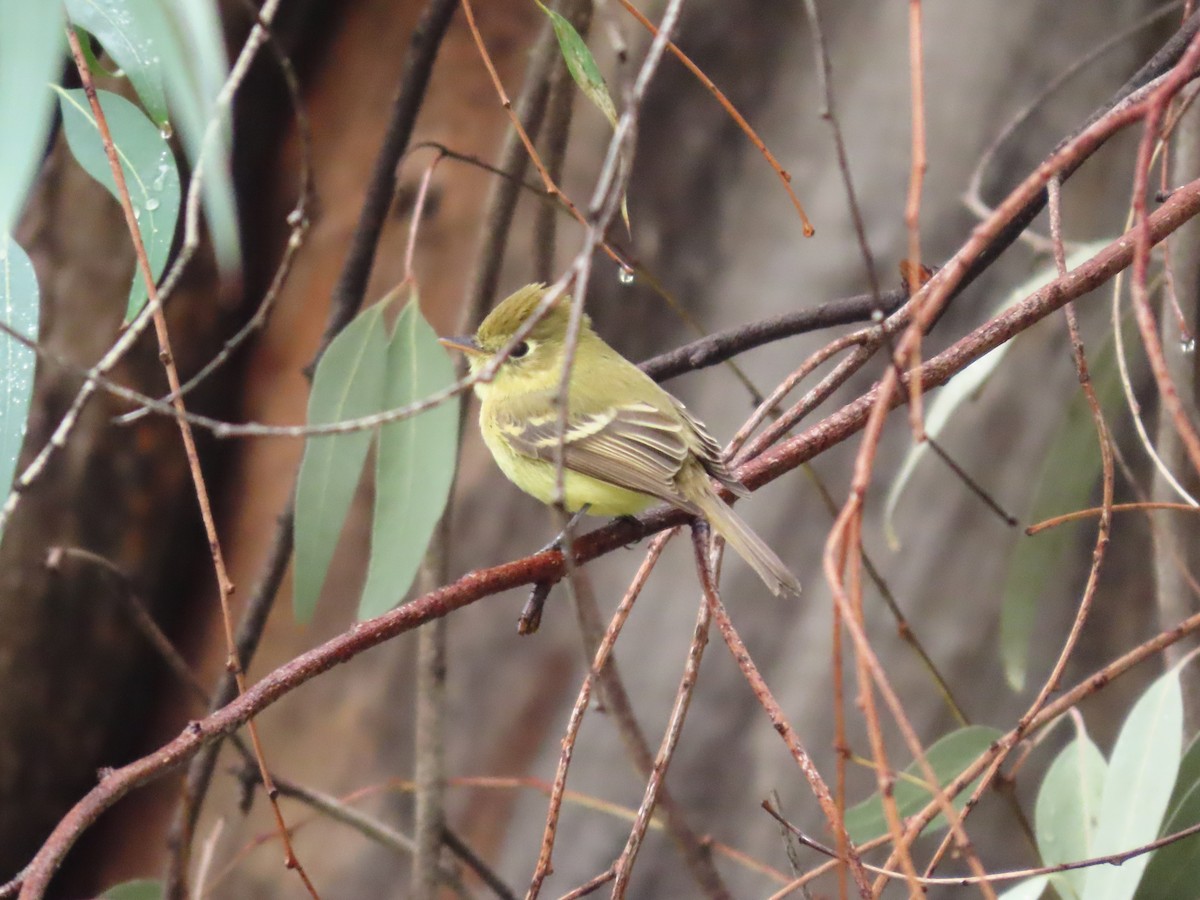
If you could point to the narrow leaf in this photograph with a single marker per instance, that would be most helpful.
(1068, 473)
(31, 53)
(125, 37)
(1030, 889)
(586, 74)
(187, 38)
(414, 463)
(581, 64)
(150, 172)
(1141, 775)
(19, 308)
(1188, 777)
(948, 756)
(966, 386)
(1171, 873)
(1068, 810)
(348, 383)
(141, 889)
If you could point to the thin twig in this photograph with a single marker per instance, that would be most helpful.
(543, 867)
(829, 114)
(666, 750)
(784, 176)
(552, 189)
(973, 196)
(1015, 875)
(762, 693)
(1183, 72)
(224, 585)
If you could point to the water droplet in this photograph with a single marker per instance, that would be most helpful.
(1188, 345)
(151, 204)
(166, 130)
(137, 212)
(625, 276)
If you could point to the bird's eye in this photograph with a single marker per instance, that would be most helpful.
(522, 349)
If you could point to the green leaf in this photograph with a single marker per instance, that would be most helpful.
(967, 385)
(149, 166)
(141, 889)
(31, 54)
(586, 74)
(948, 756)
(1171, 874)
(1068, 473)
(1137, 789)
(1188, 777)
(414, 463)
(1068, 811)
(348, 383)
(19, 309)
(187, 38)
(581, 64)
(1031, 889)
(124, 36)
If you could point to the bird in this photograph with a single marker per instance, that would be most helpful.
(627, 443)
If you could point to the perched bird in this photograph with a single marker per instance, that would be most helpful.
(627, 442)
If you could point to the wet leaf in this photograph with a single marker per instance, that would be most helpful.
(150, 173)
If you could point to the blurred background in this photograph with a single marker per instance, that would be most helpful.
(710, 220)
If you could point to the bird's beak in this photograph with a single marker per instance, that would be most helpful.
(465, 342)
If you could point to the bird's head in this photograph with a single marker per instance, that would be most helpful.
(538, 355)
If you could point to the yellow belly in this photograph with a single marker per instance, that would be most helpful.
(536, 477)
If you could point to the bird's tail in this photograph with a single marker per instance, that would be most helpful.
(738, 535)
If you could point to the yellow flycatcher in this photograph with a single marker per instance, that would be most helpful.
(627, 443)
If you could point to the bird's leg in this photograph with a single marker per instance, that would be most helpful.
(557, 543)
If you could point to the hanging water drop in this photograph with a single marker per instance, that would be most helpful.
(1187, 345)
(151, 204)
(625, 276)
(166, 131)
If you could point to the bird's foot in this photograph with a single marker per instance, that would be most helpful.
(560, 539)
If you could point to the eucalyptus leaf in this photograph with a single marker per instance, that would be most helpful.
(1171, 874)
(1188, 777)
(348, 383)
(19, 307)
(125, 37)
(31, 54)
(414, 462)
(1068, 811)
(966, 386)
(581, 64)
(948, 756)
(186, 35)
(1137, 789)
(1065, 480)
(150, 172)
(141, 889)
(586, 74)
(1030, 889)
